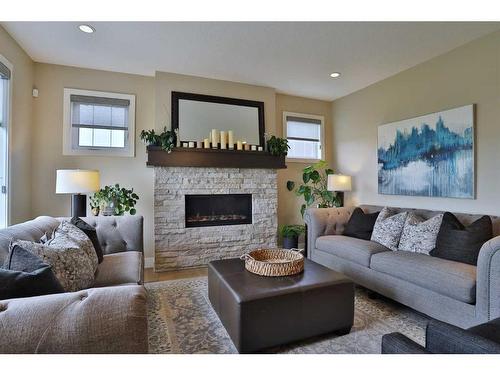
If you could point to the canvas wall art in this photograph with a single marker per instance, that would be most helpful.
(430, 155)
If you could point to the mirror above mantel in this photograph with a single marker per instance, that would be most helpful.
(195, 115)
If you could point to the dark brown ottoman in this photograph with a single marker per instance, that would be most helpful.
(261, 312)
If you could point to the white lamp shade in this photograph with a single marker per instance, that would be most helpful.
(76, 181)
(339, 182)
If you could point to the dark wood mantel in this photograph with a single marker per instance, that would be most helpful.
(213, 158)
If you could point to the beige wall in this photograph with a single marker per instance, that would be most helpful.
(468, 74)
(47, 140)
(20, 128)
(288, 203)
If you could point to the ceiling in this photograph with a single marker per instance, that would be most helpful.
(292, 57)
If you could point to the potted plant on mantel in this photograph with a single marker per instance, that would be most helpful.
(166, 140)
(290, 235)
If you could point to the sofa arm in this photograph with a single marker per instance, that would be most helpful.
(444, 338)
(488, 281)
(324, 221)
(397, 343)
(99, 320)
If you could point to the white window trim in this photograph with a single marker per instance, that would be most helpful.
(67, 126)
(8, 126)
(322, 135)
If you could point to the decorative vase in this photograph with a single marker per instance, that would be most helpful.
(290, 242)
(108, 209)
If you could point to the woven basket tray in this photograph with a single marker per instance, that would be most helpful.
(274, 262)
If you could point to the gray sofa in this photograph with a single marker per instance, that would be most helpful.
(456, 293)
(109, 318)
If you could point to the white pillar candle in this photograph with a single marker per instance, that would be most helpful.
(254, 148)
(239, 145)
(200, 144)
(184, 144)
(215, 138)
(191, 144)
(223, 140)
(246, 146)
(260, 148)
(230, 140)
(206, 143)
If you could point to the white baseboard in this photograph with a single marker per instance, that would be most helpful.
(149, 262)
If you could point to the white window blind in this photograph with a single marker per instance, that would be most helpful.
(304, 137)
(99, 122)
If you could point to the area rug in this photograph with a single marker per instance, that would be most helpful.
(182, 321)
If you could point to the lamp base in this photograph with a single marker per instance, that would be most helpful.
(340, 195)
(79, 205)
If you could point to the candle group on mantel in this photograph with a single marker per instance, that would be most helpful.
(223, 140)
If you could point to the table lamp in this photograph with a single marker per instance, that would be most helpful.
(77, 182)
(339, 183)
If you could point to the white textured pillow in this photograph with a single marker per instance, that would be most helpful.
(70, 263)
(388, 228)
(419, 235)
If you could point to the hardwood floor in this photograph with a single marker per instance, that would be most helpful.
(151, 276)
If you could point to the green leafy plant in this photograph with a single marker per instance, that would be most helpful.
(278, 146)
(166, 139)
(314, 187)
(290, 231)
(115, 199)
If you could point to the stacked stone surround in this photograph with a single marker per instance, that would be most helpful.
(179, 247)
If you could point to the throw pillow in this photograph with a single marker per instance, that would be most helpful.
(91, 233)
(388, 227)
(460, 243)
(70, 263)
(360, 225)
(419, 235)
(67, 232)
(26, 275)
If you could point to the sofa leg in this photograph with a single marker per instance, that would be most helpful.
(343, 331)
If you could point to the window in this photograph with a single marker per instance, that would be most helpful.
(305, 136)
(5, 76)
(98, 123)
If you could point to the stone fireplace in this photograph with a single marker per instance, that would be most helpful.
(203, 214)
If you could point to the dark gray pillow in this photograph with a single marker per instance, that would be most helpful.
(360, 225)
(26, 275)
(460, 243)
(91, 233)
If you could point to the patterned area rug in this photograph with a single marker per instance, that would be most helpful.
(181, 320)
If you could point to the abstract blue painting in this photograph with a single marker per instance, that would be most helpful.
(430, 155)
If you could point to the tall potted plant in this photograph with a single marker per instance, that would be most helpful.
(314, 187)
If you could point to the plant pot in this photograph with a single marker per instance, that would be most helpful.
(290, 242)
(108, 209)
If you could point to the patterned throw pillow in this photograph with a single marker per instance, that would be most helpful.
(67, 232)
(388, 228)
(419, 235)
(70, 263)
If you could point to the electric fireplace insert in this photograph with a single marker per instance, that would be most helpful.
(204, 210)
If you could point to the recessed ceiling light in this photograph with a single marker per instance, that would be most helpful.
(335, 75)
(86, 28)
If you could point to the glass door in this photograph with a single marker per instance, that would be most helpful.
(4, 118)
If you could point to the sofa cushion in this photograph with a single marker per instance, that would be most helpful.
(352, 249)
(120, 268)
(452, 279)
(91, 233)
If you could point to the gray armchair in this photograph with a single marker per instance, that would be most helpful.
(443, 338)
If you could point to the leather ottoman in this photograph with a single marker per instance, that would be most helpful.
(261, 312)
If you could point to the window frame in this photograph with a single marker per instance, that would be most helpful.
(70, 146)
(322, 135)
(8, 141)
